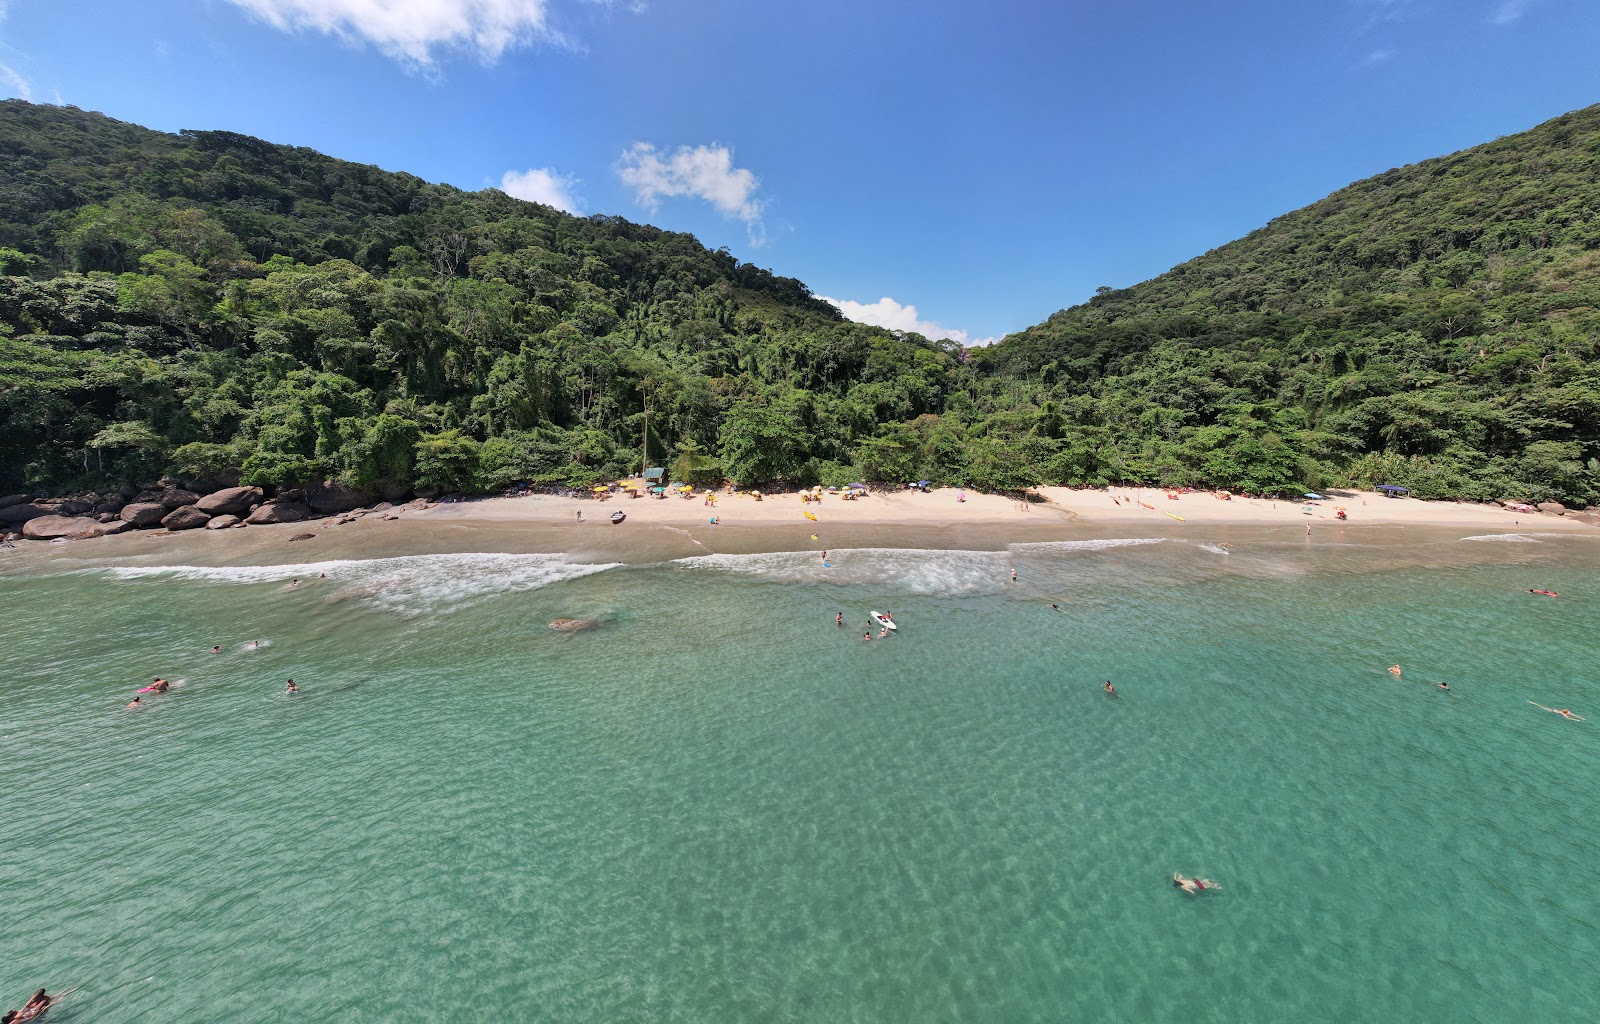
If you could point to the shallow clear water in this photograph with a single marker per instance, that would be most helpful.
(717, 806)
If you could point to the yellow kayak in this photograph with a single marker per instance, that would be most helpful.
(811, 516)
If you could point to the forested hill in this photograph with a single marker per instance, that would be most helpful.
(1438, 325)
(215, 306)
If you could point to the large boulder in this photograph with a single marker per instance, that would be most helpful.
(128, 492)
(222, 522)
(177, 497)
(13, 499)
(144, 513)
(279, 512)
(329, 497)
(51, 527)
(185, 517)
(427, 492)
(1553, 507)
(16, 515)
(67, 506)
(111, 505)
(230, 501)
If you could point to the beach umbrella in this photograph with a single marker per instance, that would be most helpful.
(832, 488)
(657, 490)
(1393, 490)
(858, 487)
(686, 488)
(601, 487)
(922, 483)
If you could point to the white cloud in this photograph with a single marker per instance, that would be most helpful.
(543, 185)
(410, 30)
(702, 172)
(888, 313)
(1510, 10)
(1377, 57)
(13, 84)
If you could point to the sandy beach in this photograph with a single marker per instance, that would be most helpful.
(950, 507)
(661, 529)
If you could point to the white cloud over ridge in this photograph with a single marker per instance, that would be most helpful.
(12, 83)
(886, 312)
(699, 172)
(411, 30)
(543, 185)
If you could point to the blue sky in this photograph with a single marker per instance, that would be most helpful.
(985, 163)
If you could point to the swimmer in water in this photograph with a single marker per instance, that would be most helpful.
(293, 584)
(137, 702)
(1563, 712)
(291, 688)
(1394, 670)
(866, 635)
(1013, 575)
(162, 686)
(1444, 686)
(217, 649)
(1194, 885)
(883, 632)
(1111, 691)
(838, 618)
(1054, 607)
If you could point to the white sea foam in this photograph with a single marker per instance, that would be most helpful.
(918, 570)
(1215, 549)
(408, 583)
(1047, 547)
(1509, 538)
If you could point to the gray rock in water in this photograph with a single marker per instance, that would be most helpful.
(16, 515)
(223, 521)
(301, 536)
(185, 517)
(70, 528)
(279, 512)
(230, 501)
(144, 513)
(329, 497)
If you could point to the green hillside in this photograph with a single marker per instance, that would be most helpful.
(215, 306)
(1437, 325)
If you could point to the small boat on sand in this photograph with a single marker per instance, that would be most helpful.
(618, 516)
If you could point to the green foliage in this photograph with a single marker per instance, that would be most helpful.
(212, 304)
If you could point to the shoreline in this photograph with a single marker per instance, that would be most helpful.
(663, 530)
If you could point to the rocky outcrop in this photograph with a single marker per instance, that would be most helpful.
(222, 522)
(427, 492)
(230, 501)
(394, 493)
(70, 527)
(144, 513)
(1588, 518)
(329, 497)
(16, 515)
(279, 512)
(185, 517)
(571, 625)
(177, 497)
(1553, 507)
(13, 499)
(111, 505)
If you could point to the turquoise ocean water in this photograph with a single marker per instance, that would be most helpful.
(717, 806)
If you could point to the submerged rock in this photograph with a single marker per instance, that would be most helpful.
(301, 536)
(572, 625)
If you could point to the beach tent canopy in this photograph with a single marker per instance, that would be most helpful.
(654, 473)
(1314, 497)
(922, 483)
(1393, 489)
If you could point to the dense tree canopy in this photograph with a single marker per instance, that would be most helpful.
(214, 305)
